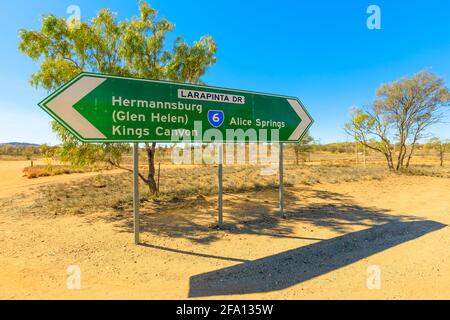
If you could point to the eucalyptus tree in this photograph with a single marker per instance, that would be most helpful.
(440, 146)
(400, 116)
(136, 47)
(303, 147)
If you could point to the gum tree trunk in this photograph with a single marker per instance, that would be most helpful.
(151, 150)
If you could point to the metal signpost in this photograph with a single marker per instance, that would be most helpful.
(136, 199)
(219, 174)
(280, 171)
(104, 108)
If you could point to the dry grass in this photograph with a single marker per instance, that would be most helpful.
(429, 170)
(106, 193)
(37, 171)
(45, 171)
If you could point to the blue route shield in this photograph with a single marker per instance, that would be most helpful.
(216, 117)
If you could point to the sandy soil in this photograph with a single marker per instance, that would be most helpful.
(324, 249)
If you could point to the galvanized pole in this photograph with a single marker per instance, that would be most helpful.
(220, 203)
(136, 192)
(281, 196)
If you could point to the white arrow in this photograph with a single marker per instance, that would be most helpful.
(62, 106)
(306, 120)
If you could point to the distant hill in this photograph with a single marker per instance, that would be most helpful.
(20, 144)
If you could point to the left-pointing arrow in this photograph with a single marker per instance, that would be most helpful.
(62, 106)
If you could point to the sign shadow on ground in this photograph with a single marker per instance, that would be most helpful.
(295, 266)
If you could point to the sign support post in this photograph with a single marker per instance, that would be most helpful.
(220, 171)
(136, 198)
(280, 162)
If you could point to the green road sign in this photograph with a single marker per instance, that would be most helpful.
(105, 108)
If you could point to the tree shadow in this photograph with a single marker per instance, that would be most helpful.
(295, 266)
(195, 219)
(334, 211)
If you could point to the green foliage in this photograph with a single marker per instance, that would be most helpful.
(46, 151)
(338, 147)
(303, 147)
(135, 47)
(436, 144)
(19, 150)
(306, 143)
(439, 145)
(83, 154)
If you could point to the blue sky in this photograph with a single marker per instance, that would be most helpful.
(320, 51)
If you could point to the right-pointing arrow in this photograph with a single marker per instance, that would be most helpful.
(62, 105)
(305, 120)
